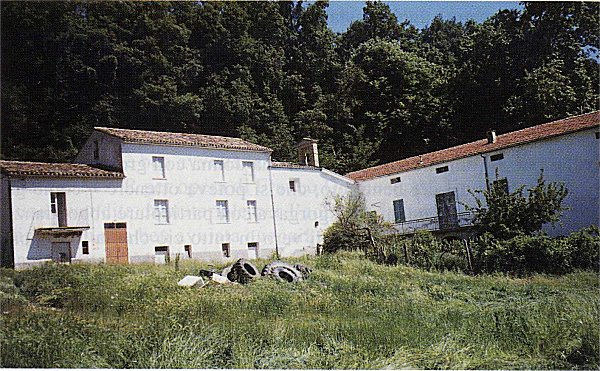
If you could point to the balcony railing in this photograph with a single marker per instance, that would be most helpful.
(464, 219)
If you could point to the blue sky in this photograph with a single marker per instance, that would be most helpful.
(419, 13)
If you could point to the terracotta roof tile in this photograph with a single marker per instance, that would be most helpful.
(59, 170)
(182, 139)
(532, 134)
(291, 165)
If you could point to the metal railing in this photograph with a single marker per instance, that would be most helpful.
(464, 219)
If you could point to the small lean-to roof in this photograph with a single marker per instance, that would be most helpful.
(531, 134)
(182, 139)
(55, 170)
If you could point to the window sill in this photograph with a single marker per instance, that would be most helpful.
(162, 223)
(159, 178)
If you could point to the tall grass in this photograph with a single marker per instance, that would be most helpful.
(351, 313)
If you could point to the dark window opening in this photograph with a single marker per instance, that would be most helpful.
(161, 249)
(226, 250)
(442, 169)
(120, 225)
(497, 157)
(395, 180)
(188, 250)
(85, 247)
(109, 225)
(598, 135)
(96, 150)
(292, 186)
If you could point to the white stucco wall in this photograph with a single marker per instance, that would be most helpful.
(109, 154)
(31, 210)
(572, 159)
(297, 212)
(192, 187)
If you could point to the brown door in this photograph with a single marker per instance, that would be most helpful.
(446, 206)
(115, 241)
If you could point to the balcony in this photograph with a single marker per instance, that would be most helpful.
(464, 219)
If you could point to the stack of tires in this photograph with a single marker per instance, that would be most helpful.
(243, 271)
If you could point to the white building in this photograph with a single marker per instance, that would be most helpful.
(140, 196)
(429, 191)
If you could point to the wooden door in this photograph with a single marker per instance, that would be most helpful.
(115, 242)
(446, 206)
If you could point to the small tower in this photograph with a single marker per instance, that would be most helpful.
(308, 154)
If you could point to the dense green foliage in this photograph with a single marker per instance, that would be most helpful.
(352, 313)
(273, 72)
(519, 255)
(505, 214)
(355, 228)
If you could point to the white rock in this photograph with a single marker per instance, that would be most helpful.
(191, 281)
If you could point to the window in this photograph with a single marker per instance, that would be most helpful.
(85, 247)
(598, 135)
(293, 185)
(226, 250)
(220, 170)
(497, 157)
(399, 216)
(58, 206)
(161, 254)
(96, 150)
(395, 180)
(161, 211)
(251, 211)
(502, 184)
(248, 168)
(158, 167)
(188, 250)
(252, 250)
(442, 169)
(222, 211)
(53, 203)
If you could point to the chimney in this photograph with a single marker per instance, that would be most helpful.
(491, 136)
(308, 154)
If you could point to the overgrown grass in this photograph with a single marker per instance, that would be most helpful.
(351, 313)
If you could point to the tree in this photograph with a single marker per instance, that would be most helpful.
(506, 214)
(355, 228)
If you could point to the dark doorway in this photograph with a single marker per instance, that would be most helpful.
(446, 207)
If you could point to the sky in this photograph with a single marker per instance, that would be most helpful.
(419, 13)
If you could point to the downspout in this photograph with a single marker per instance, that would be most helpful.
(10, 255)
(485, 169)
(273, 209)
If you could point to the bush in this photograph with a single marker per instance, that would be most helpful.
(585, 248)
(538, 254)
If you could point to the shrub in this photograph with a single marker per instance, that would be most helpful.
(355, 228)
(585, 248)
(524, 254)
(509, 214)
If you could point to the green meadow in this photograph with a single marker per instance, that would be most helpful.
(351, 313)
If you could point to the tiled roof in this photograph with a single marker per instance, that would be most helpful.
(59, 170)
(182, 139)
(291, 165)
(532, 134)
